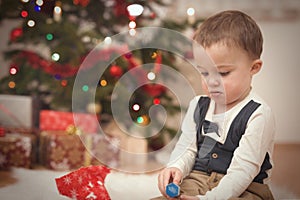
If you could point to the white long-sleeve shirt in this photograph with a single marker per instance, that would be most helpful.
(248, 157)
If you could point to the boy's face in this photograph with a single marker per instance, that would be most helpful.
(226, 73)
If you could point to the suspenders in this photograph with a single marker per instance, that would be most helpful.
(214, 156)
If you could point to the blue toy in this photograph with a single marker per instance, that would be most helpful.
(172, 190)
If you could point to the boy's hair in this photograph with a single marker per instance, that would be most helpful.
(233, 28)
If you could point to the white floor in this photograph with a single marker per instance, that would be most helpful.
(40, 185)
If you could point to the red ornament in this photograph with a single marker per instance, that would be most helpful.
(154, 90)
(15, 34)
(115, 71)
(83, 3)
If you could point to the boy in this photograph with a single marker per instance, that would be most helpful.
(225, 149)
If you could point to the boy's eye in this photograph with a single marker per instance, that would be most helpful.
(204, 73)
(224, 73)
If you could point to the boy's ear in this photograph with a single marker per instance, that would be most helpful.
(256, 66)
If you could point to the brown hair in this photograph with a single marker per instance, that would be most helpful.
(233, 28)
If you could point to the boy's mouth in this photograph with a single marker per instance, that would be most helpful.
(215, 93)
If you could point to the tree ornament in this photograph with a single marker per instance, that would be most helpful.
(115, 71)
(154, 90)
(15, 34)
(83, 3)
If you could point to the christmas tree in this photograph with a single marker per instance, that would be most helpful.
(54, 37)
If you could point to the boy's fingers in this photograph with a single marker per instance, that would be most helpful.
(176, 177)
(164, 178)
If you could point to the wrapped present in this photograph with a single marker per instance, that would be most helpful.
(84, 183)
(62, 151)
(17, 150)
(51, 120)
(17, 111)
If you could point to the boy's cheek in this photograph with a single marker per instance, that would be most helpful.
(204, 87)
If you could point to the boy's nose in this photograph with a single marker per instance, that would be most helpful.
(213, 80)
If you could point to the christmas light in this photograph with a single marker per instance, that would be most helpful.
(13, 70)
(191, 15)
(24, 13)
(37, 8)
(151, 76)
(39, 2)
(132, 24)
(103, 83)
(156, 101)
(25, 1)
(190, 11)
(140, 120)
(132, 32)
(57, 11)
(136, 107)
(154, 55)
(11, 84)
(64, 83)
(135, 9)
(57, 76)
(49, 36)
(31, 23)
(107, 40)
(85, 88)
(55, 56)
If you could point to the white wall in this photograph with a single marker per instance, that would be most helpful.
(278, 82)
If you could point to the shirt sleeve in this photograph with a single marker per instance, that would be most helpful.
(184, 153)
(257, 140)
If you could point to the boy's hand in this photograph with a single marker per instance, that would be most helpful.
(166, 176)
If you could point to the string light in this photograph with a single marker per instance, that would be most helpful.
(154, 55)
(13, 70)
(132, 32)
(39, 2)
(107, 40)
(37, 8)
(191, 15)
(31, 23)
(190, 11)
(156, 101)
(103, 83)
(135, 10)
(11, 84)
(151, 76)
(85, 88)
(57, 76)
(24, 13)
(140, 119)
(136, 107)
(57, 11)
(64, 83)
(49, 36)
(132, 24)
(55, 56)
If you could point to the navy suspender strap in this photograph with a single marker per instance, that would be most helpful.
(200, 113)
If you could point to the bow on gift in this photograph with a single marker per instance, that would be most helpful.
(210, 127)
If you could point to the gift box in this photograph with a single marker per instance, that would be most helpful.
(17, 111)
(51, 120)
(62, 151)
(18, 150)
